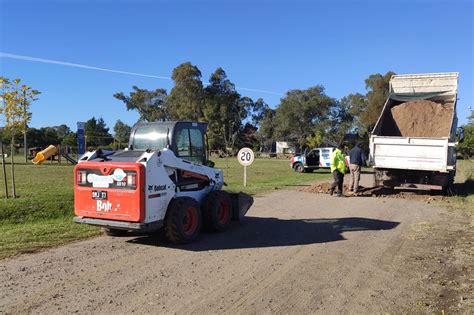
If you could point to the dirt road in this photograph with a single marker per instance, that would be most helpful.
(297, 252)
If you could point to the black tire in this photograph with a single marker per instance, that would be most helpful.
(115, 232)
(298, 167)
(217, 211)
(449, 189)
(183, 220)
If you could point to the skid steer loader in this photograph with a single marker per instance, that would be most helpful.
(162, 180)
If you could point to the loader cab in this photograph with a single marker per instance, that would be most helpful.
(186, 139)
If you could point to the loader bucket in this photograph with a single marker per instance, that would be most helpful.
(241, 203)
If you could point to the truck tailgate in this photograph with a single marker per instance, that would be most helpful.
(422, 154)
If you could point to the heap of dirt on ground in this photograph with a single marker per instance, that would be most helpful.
(426, 196)
(420, 118)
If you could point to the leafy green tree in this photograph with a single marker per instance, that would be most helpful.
(97, 133)
(186, 99)
(262, 117)
(62, 131)
(70, 140)
(345, 117)
(302, 113)
(16, 101)
(122, 131)
(224, 110)
(249, 137)
(378, 90)
(50, 136)
(151, 105)
(466, 148)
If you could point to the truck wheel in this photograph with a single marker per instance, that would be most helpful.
(183, 220)
(114, 232)
(217, 211)
(298, 167)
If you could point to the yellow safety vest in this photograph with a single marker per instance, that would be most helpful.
(338, 161)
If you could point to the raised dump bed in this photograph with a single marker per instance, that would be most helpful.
(413, 142)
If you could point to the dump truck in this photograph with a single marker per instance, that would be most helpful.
(162, 180)
(413, 142)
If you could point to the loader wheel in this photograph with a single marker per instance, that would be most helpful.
(298, 167)
(217, 211)
(183, 220)
(115, 232)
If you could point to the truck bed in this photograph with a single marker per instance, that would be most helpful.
(406, 153)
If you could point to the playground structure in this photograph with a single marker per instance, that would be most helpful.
(50, 153)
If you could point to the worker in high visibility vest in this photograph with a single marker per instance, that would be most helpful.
(338, 169)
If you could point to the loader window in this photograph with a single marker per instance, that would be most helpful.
(190, 145)
(183, 143)
(150, 137)
(197, 145)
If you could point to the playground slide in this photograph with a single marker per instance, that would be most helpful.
(68, 158)
(45, 154)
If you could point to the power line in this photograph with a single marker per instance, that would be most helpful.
(88, 67)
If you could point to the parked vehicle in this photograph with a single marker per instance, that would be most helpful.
(161, 180)
(413, 142)
(313, 160)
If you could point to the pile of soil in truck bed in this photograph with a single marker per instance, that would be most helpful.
(421, 118)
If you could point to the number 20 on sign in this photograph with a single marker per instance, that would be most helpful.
(245, 158)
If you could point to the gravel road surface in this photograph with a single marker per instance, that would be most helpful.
(296, 252)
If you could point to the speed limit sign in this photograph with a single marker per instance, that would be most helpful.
(245, 156)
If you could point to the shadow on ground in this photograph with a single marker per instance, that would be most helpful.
(256, 232)
(464, 189)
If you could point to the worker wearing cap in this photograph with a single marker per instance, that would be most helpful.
(357, 160)
(338, 169)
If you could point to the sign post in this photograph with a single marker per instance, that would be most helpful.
(81, 140)
(245, 158)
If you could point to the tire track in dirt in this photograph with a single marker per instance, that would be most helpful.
(304, 253)
(251, 296)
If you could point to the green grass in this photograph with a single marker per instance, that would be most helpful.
(264, 175)
(465, 182)
(42, 214)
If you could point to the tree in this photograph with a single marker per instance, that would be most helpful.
(224, 110)
(345, 117)
(186, 99)
(70, 140)
(257, 111)
(62, 131)
(266, 129)
(151, 105)
(378, 90)
(302, 113)
(466, 148)
(122, 131)
(97, 133)
(16, 102)
(261, 116)
(17, 99)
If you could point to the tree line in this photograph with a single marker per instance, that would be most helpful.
(306, 117)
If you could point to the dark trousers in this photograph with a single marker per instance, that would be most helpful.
(338, 181)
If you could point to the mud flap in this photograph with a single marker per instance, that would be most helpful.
(241, 203)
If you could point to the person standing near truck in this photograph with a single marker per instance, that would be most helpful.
(338, 169)
(357, 159)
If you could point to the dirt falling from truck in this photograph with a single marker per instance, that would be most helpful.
(421, 118)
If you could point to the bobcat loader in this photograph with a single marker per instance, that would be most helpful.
(162, 180)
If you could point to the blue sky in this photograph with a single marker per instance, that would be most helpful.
(265, 45)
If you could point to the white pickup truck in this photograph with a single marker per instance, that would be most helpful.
(426, 162)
